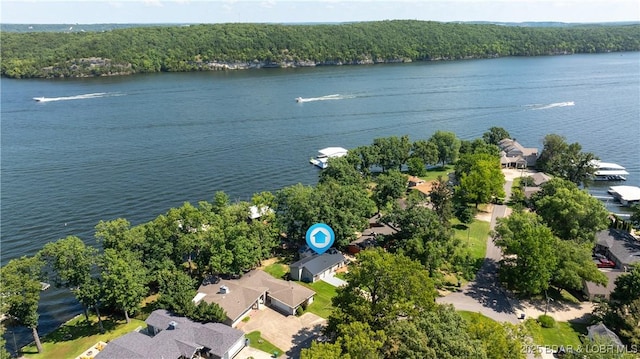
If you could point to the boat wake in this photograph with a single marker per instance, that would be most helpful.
(551, 105)
(77, 97)
(323, 98)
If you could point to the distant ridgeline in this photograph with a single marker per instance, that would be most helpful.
(125, 50)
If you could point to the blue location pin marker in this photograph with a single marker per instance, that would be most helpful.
(320, 237)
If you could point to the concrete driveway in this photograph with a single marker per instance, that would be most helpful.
(288, 333)
(334, 281)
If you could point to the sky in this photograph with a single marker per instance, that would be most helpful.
(313, 11)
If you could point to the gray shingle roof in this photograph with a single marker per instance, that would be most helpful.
(621, 244)
(317, 264)
(604, 332)
(184, 340)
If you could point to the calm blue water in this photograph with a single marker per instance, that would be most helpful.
(147, 143)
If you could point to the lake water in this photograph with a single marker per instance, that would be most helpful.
(133, 147)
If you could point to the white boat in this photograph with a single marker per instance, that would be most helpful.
(324, 154)
(38, 99)
(606, 171)
(298, 99)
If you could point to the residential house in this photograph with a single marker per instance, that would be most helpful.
(252, 291)
(601, 330)
(595, 291)
(619, 246)
(414, 181)
(513, 154)
(172, 337)
(539, 178)
(317, 266)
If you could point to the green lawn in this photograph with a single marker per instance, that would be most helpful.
(76, 336)
(256, 341)
(277, 270)
(474, 235)
(321, 305)
(433, 173)
(468, 316)
(564, 333)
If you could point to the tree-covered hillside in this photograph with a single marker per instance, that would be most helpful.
(233, 46)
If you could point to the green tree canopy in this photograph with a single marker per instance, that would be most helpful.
(390, 186)
(571, 213)
(567, 161)
(529, 252)
(495, 135)
(20, 292)
(382, 287)
(124, 280)
(448, 146)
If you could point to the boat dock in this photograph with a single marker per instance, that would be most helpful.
(627, 195)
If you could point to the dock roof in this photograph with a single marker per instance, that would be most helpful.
(333, 151)
(626, 193)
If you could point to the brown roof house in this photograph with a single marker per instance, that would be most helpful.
(172, 337)
(238, 297)
(513, 154)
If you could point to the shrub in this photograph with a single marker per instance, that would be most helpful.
(546, 321)
(299, 311)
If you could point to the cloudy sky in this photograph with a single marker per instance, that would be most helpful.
(309, 11)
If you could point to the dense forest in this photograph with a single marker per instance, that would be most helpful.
(240, 46)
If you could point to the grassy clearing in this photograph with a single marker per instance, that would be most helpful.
(321, 305)
(564, 333)
(277, 270)
(76, 336)
(256, 341)
(474, 235)
(433, 173)
(468, 316)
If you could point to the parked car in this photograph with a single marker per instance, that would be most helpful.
(599, 256)
(606, 263)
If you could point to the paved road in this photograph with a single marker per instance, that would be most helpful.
(484, 294)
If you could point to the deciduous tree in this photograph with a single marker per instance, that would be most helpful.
(448, 146)
(571, 213)
(71, 263)
(529, 252)
(124, 280)
(20, 292)
(382, 287)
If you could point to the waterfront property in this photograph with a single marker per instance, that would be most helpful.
(627, 195)
(324, 154)
(252, 291)
(171, 336)
(513, 154)
(317, 267)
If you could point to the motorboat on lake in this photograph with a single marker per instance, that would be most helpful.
(298, 99)
(38, 99)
